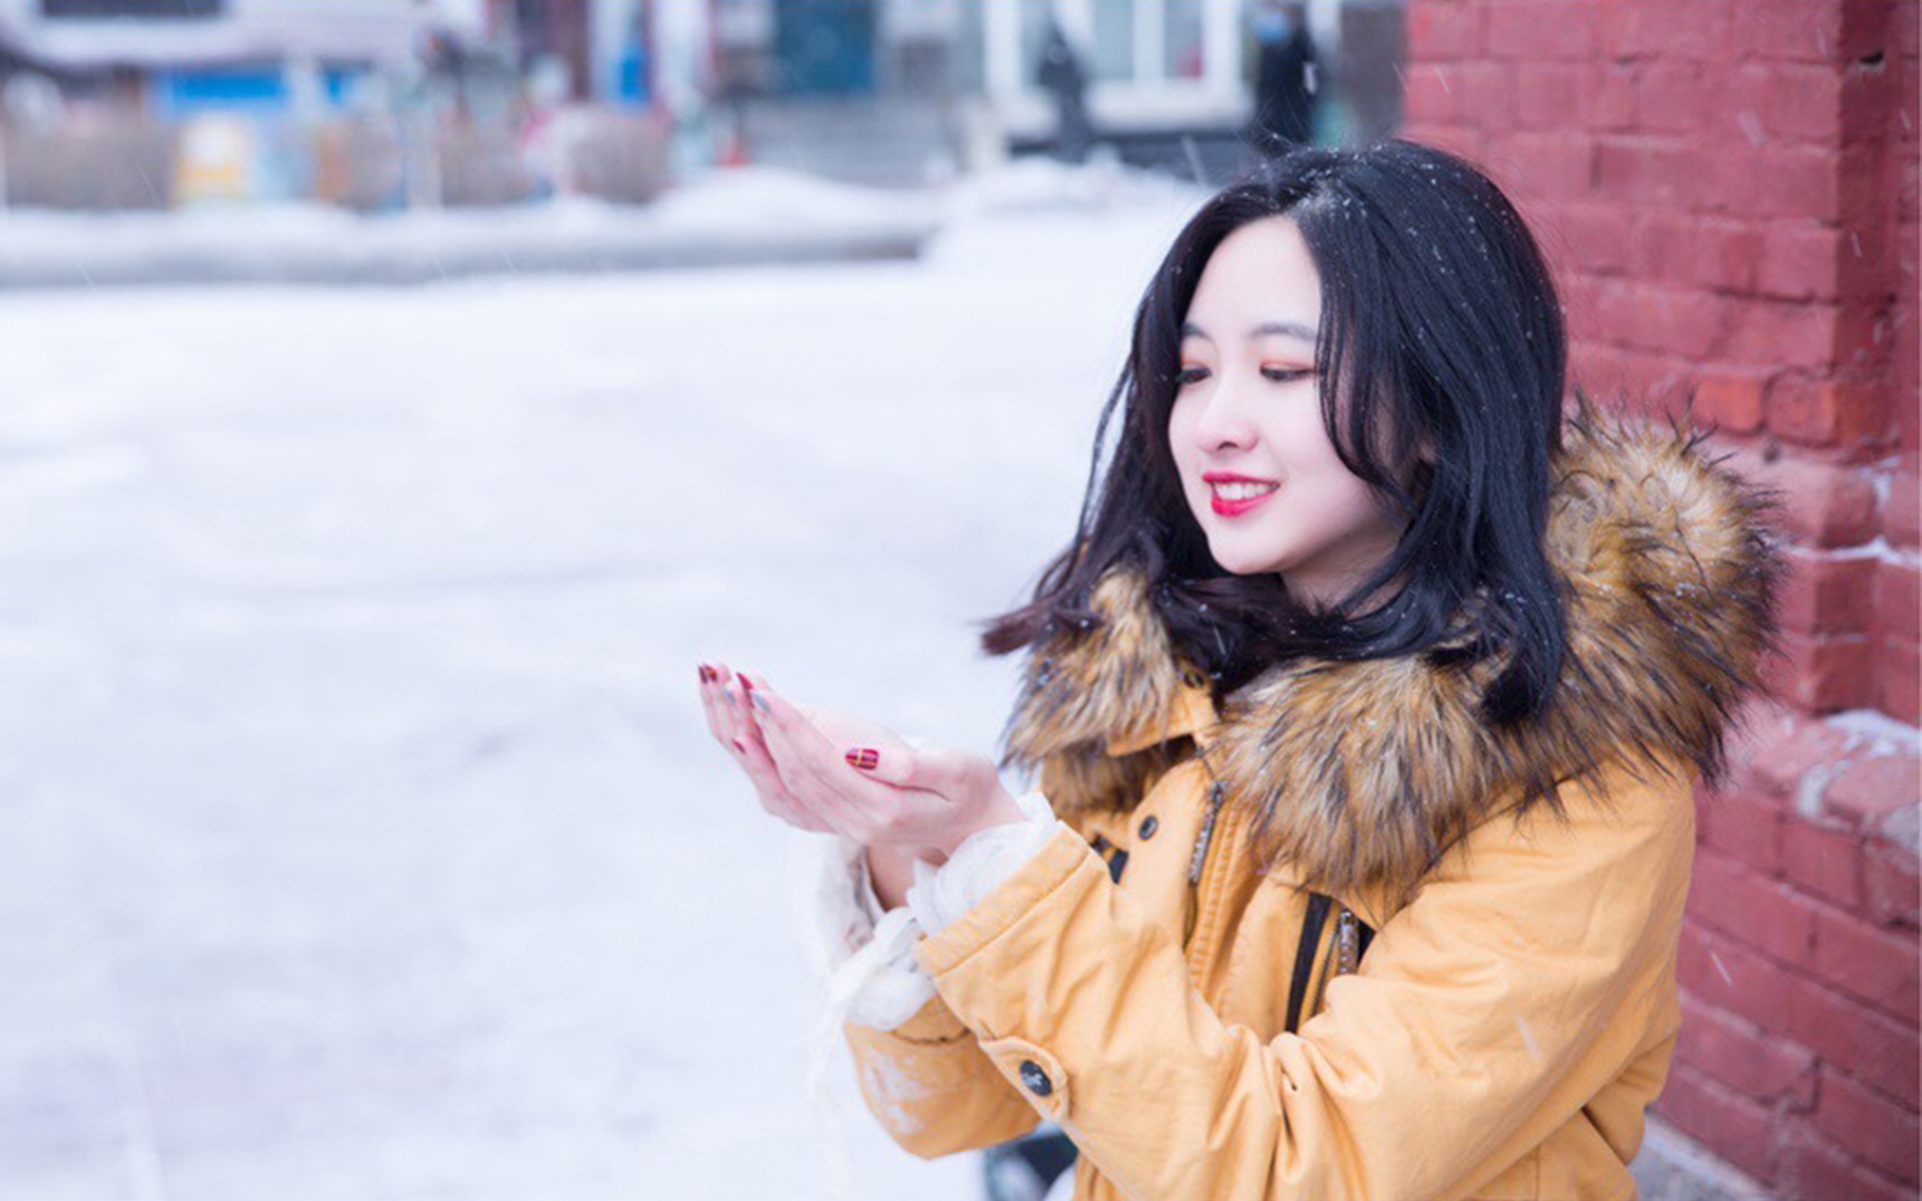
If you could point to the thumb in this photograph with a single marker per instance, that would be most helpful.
(915, 764)
(901, 761)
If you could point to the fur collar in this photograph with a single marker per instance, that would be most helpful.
(1359, 775)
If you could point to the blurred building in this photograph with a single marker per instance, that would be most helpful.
(884, 91)
(488, 101)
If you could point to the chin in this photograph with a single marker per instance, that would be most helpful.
(1242, 560)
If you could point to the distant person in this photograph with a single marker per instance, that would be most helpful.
(1284, 82)
(1067, 80)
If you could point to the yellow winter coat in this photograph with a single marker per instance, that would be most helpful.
(1516, 1008)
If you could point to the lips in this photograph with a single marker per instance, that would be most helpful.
(1232, 494)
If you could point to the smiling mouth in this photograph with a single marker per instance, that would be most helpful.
(1239, 490)
(1233, 499)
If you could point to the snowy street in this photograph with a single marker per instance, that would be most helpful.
(360, 834)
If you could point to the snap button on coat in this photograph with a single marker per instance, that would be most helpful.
(1149, 825)
(1036, 1079)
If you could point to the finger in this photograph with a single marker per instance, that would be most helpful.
(802, 756)
(744, 744)
(711, 705)
(951, 773)
(815, 772)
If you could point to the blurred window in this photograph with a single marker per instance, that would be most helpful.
(1114, 39)
(86, 9)
(1181, 39)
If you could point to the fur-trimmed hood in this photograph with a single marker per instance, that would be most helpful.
(1360, 774)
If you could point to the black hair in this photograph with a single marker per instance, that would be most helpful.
(1439, 313)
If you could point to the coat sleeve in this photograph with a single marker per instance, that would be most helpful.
(923, 1076)
(1523, 977)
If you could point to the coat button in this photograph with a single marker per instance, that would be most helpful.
(1148, 826)
(1036, 1079)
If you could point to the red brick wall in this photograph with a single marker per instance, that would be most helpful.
(1728, 191)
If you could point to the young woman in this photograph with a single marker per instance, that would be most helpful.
(1368, 704)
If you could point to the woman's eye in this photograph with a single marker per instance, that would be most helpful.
(1280, 375)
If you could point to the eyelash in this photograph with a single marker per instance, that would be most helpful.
(1287, 375)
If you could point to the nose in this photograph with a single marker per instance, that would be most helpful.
(1222, 423)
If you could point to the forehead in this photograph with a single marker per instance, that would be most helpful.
(1261, 271)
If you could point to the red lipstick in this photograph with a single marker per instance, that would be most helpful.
(1234, 508)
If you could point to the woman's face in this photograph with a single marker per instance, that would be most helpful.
(1248, 408)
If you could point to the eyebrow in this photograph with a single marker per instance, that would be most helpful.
(1288, 329)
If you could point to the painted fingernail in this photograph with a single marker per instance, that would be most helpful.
(706, 673)
(747, 685)
(864, 758)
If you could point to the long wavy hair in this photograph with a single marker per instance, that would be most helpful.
(1439, 321)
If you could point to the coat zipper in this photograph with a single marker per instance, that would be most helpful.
(1198, 860)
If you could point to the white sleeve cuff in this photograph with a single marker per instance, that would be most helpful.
(873, 977)
(983, 861)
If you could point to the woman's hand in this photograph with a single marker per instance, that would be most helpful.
(727, 710)
(867, 784)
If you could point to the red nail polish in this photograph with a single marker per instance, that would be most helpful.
(747, 685)
(864, 758)
(707, 673)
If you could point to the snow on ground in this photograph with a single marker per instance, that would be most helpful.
(360, 835)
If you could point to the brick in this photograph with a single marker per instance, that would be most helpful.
(1898, 681)
(1814, 337)
(1671, 96)
(1852, 415)
(1598, 237)
(1488, 94)
(1680, 320)
(1696, 32)
(1740, 104)
(1444, 31)
(1724, 255)
(1869, 1047)
(1811, 1166)
(1800, 261)
(1870, 789)
(1889, 887)
(1902, 518)
(1787, 747)
(1754, 1062)
(1870, 1185)
(1548, 96)
(1533, 30)
(1804, 103)
(1868, 1127)
(1823, 673)
(1432, 92)
(1733, 1126)
(1552, 167)
(1826, 505)
(1809, 32)
(1798, 182)
(1743, 827)
(1725, 974)
(1608, 97)
(1896, 598)
(1823, 594)
(1824, 860)
(1728, 895)
(1866, 962)
(1731, 401)
(1644, 171)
